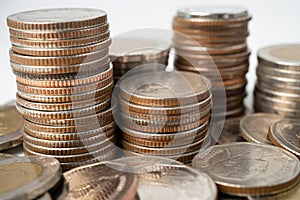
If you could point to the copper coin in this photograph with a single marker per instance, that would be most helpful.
(109, 183)
(249, 169)
(57, 19)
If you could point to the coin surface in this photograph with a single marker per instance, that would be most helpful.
(56, 19)
(161, 178)
(100, 181)
(28, 177)
(285, 134)
(11, 124)
(4, 156)
(249, 169)
(163, 88)
(255, 127)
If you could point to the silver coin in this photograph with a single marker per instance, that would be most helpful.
(161, 178)
(281, 55)
(28, 177)
(4, 156)
(255, 127)
(213, 12)
(244, 169)
(285, 133)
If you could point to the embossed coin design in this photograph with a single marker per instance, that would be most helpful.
(249, 169)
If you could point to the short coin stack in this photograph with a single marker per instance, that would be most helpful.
(65, 80)
(164, 114)
(278, 79)
(127, 53)
(214, 44)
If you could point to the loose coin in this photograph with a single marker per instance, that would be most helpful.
(255, 127)
(285, 134)
(28, 177)
(249, 169)
(4, 156)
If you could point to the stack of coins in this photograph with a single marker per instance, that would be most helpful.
(164, 114)
(213, 43)
(65, 80)
(278, 79)
(127, 53)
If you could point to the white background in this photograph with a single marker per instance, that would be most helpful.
(274, 21)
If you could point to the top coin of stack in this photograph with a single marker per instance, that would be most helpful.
(129, 52)
(61, 62)
(278, 80)
(214, 44)
(164, 114)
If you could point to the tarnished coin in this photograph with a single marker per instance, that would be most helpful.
(255, 127)
(161, 178)
(100, 181)
(4, 156)
(249, 169)
(285, 134)
(165, 88)
(57, 19)
(28, 177)
(11, 124)
(230, 131)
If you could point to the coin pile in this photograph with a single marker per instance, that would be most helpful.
(127, 52)
(65, 80)
(211, 40)
(31, 177)
(164, 114)
(278, 79)
(249, 169)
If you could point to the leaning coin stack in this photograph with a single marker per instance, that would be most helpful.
(126, 53)
(212, 40)
(64, 80)
(278, 79)
(164, 114)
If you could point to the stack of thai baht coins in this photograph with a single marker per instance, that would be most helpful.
(278, 80)
(128, 52)
(211, 40)
(164, 114)
(65, 80)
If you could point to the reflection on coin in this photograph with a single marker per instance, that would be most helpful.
(161, 178)
(249, 169)
(255, 127)
(230, 131)
(99, 181)
(28, 177)
(4, 156)
(11, 123)
(285, 134)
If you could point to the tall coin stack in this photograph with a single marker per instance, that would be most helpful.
(126, 53)
(213, 43)
(277, 87)
(64, 80)
(164, 114)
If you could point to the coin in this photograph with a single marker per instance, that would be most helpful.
(4, 156)
(11, 124)
(57, 19)
(161, 178)
(285, 134)
(249, 169)
(162, 85)
(28, 177)
(230, 131)
(255, 127)
(104, 181)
